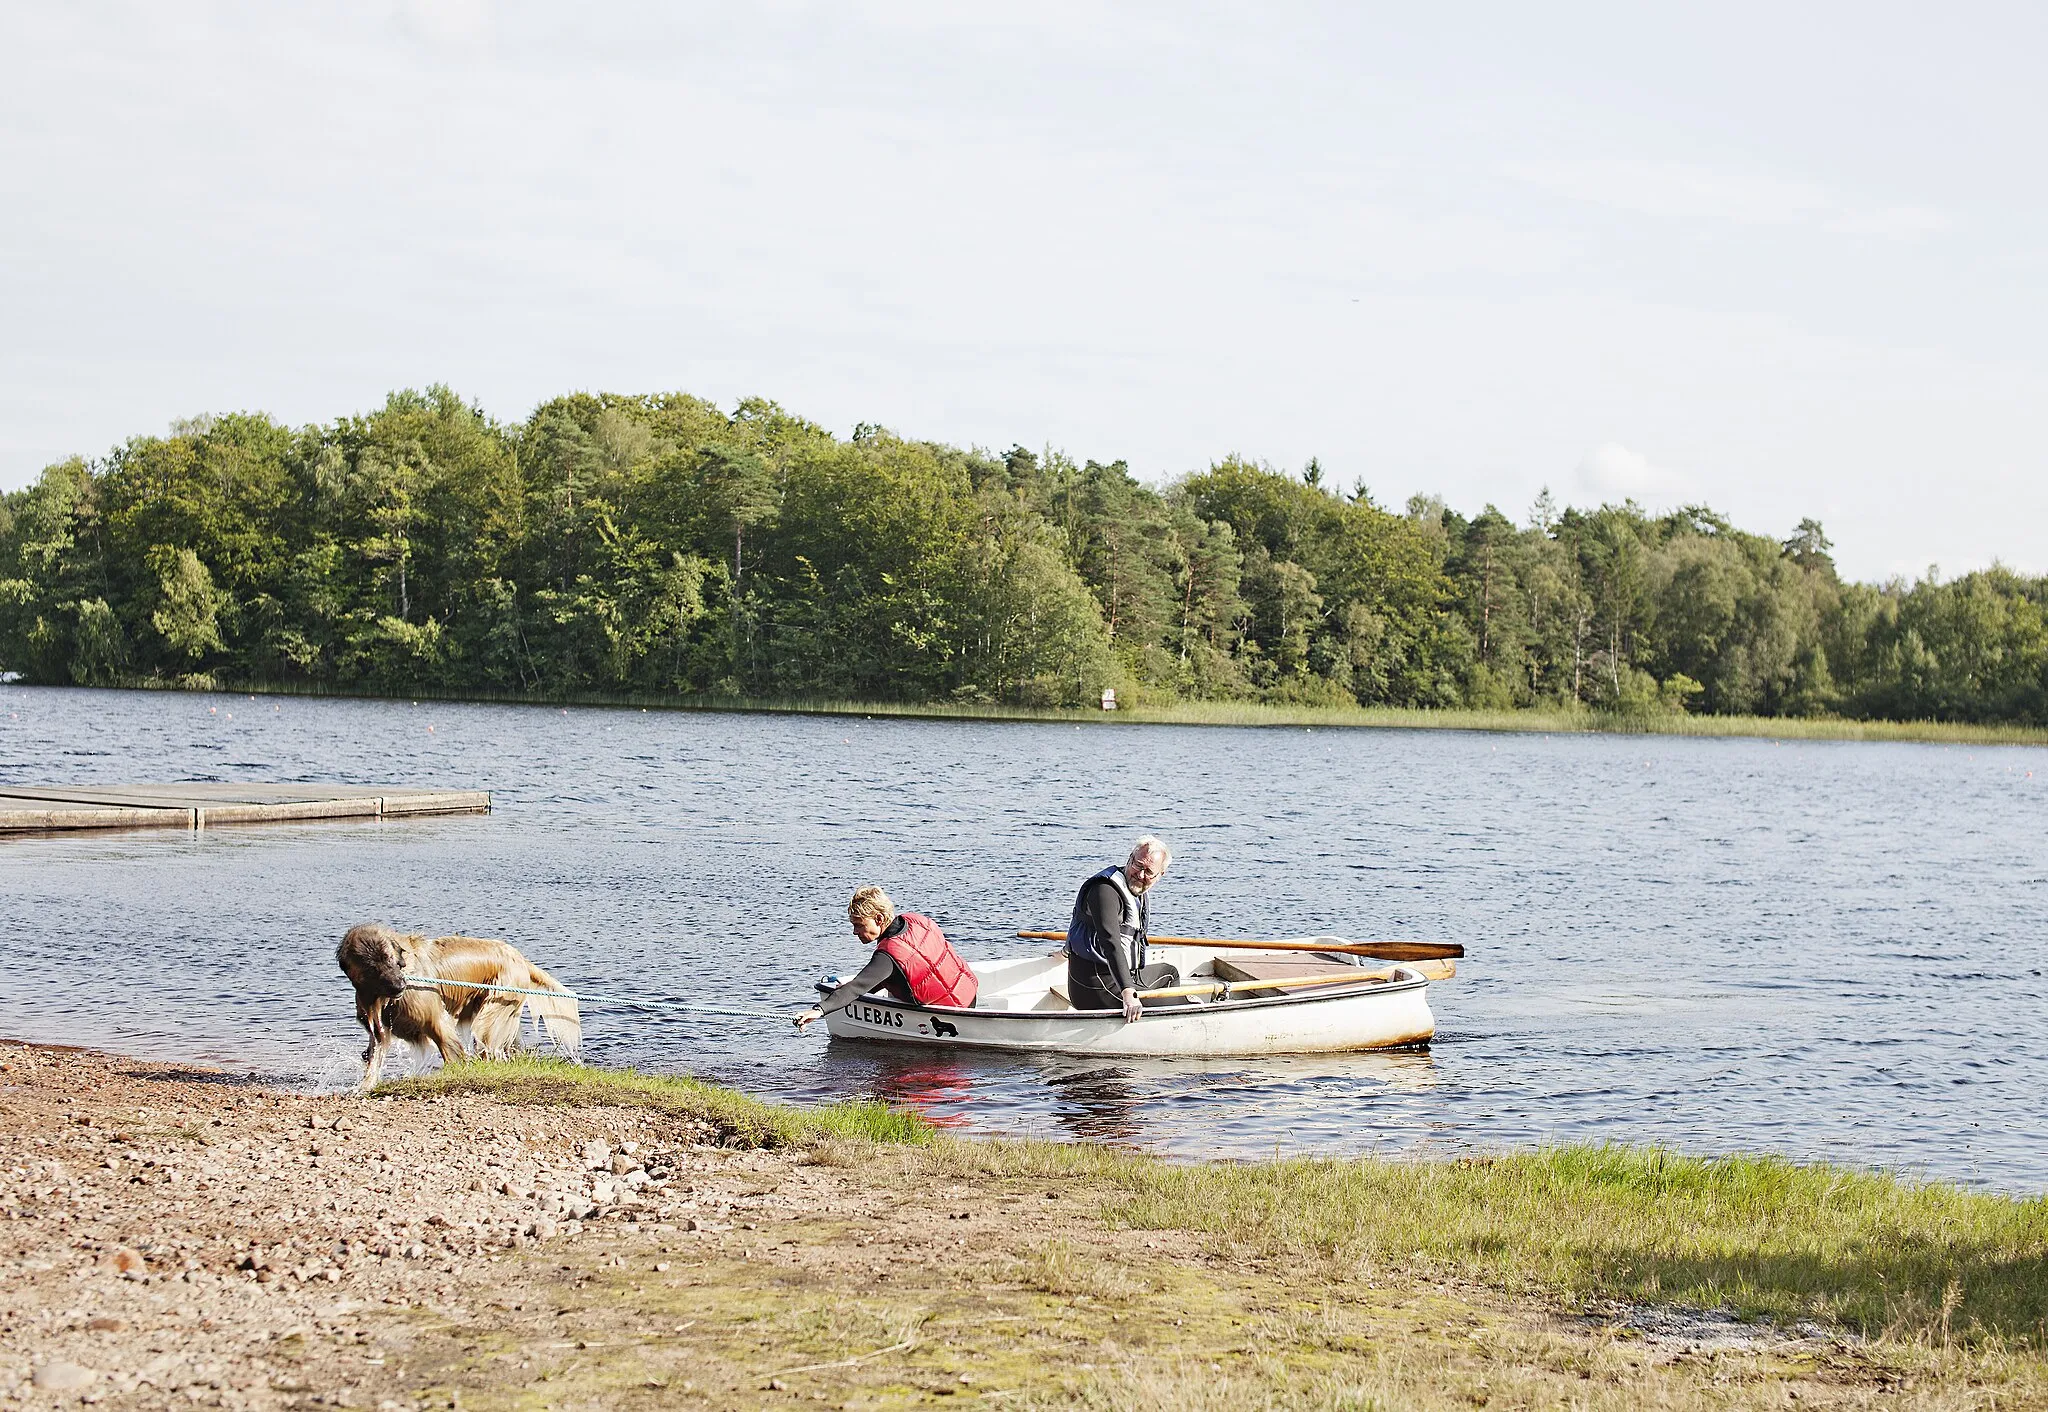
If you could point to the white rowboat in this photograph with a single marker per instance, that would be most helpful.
(1022, 1005)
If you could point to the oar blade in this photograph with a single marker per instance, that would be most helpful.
(1409, 950)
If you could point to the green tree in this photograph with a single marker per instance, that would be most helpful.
(1615, 562)
(1212, 612)
(741, 487)
(1035, 634)
(657, 543)
(187, 614)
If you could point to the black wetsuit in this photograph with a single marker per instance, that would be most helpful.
(1089, 985)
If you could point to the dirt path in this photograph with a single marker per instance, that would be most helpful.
(173, 1236)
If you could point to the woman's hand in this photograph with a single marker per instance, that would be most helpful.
(1133, 1009)
(809, 1015)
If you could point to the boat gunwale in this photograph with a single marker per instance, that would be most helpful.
(1159, 1012)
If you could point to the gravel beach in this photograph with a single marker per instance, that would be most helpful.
(176, 1231)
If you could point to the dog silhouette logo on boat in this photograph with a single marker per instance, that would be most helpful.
(940, 1027)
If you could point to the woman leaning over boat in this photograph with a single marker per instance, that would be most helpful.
(913, 961)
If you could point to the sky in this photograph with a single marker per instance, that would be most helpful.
(1785, 261)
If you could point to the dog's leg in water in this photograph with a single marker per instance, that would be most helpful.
(373, 1061)
(373, 1018)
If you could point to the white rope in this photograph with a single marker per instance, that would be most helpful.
(654, 1002)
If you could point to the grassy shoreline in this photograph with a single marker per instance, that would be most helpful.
(513, 1237)
(1873, 1253)
(741, 1120)
(1533, 720)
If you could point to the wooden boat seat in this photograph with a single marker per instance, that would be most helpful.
(1277, 966)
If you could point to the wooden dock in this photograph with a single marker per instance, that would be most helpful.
(53, 808)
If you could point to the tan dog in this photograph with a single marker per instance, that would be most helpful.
(377, 959)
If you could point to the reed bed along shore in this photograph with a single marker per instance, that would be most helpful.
(1532, 720)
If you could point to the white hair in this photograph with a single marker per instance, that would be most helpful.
(1148, 843)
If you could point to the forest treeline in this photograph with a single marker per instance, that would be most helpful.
(658, 545)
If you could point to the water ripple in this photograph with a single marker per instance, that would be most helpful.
(1818, 948)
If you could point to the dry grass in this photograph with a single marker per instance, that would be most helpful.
(1058, 1268)
(1032, 1159)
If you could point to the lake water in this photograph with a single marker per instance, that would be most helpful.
(1830, 950)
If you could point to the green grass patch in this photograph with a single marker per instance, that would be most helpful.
(741, 1121)
(1763, 1236)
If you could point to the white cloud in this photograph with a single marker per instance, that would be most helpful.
(1897, 222)
(1613, 472)
(1689, 192)
(445, 24)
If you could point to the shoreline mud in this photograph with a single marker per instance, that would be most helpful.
(172, 1235)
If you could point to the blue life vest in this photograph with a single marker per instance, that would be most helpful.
(1086, 940)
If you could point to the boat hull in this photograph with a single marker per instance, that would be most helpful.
(1387, 1014)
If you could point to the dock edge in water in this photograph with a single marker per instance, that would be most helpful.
(49, 808)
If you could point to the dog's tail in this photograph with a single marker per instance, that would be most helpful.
(369, 958)
(557, 1012)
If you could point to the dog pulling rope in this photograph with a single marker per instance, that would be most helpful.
(638, 1002)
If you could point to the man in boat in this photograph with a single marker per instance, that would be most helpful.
(1106, 938)
(913, 961)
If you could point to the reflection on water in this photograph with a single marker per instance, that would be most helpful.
(938, 1088)
(1813, 948)
(1096, 1103)
(1120, 1100)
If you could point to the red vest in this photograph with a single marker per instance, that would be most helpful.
(934, 969)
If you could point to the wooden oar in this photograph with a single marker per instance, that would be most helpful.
(1428, 970)
(1378, 950)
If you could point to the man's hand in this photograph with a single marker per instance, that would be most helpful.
(809, 1015)
(1133, 1010)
